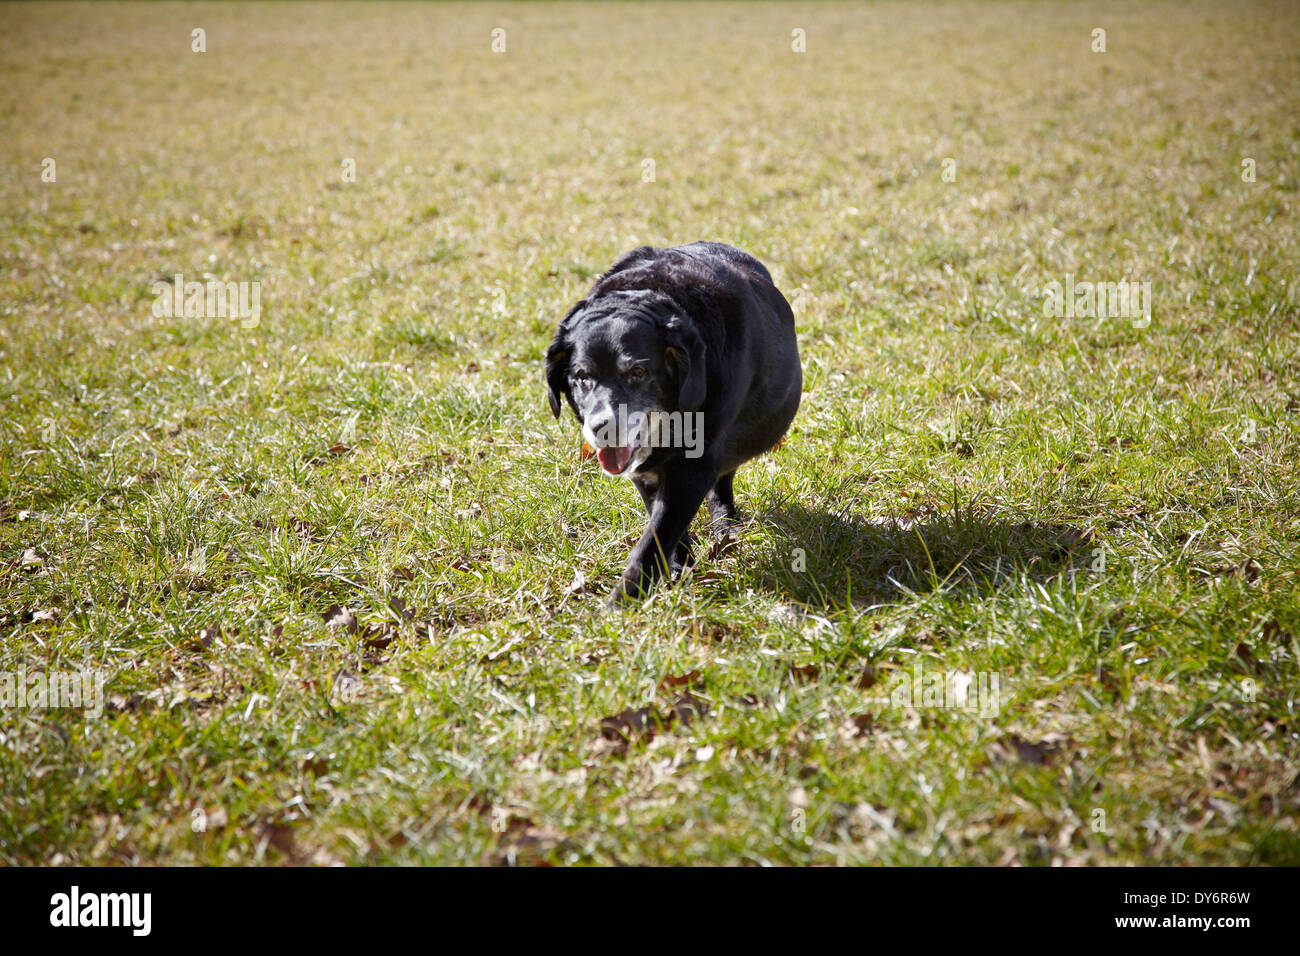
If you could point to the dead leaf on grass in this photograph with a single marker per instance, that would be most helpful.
(683, 680)
(279, 837)
(335, 450)
(204, 640)
(805, 671)
(579, 586)
(345, 688)
(632, 723)
(1037, 753)
(523, 841)
(315, 765)
(340, 616)
(687, 708)
(1272, 633)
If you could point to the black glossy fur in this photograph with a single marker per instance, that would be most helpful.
(691, 328)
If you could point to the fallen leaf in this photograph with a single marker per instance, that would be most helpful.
(333, 451)
(683, 680)
(279, 837)
(304, 529)
(1070, 539)
(625, 726)
(203, 640)
(686, 708)
(805, 671)
(524, 842)
(346, 686)
(1010, 857)
(400, 608)
(377, 637)
(340, 615)
(316, 766)
(1036, 754)
(578, 585)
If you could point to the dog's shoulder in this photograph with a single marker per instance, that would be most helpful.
(638, 256)
(720, 253)
(715, 288)
(690, 275)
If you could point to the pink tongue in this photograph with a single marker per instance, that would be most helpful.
(614, 460)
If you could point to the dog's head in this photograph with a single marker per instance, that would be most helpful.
(619, 360)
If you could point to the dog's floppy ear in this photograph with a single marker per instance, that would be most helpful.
(685, 356)
(557, 361)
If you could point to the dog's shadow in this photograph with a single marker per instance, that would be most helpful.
(827, 559)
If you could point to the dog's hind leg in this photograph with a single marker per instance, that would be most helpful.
(723, 516)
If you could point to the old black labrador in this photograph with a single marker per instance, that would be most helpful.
(681, 364)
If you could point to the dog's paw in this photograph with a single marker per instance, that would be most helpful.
(723, 527)
(627, 593)
(723, 544)
(681, 564)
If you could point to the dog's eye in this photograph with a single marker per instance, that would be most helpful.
(635, 373)
(581, 381)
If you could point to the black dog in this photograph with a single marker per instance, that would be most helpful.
(681, 364)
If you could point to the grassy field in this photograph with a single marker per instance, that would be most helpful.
(342, 575)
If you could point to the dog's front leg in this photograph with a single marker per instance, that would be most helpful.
(682, 556)
(680, 495)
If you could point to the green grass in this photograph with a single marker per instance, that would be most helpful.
(959, 467)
